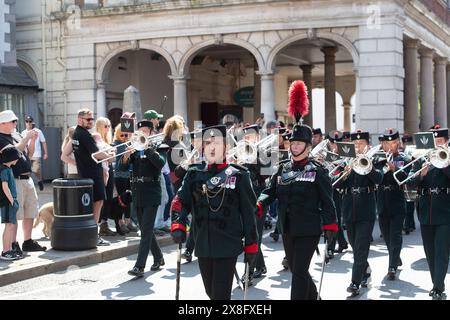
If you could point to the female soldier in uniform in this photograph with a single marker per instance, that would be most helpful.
(222, 202)
(305, 200)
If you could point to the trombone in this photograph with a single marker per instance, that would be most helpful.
(362, 164)
(138, 141)
(247, 152)
(438, 157)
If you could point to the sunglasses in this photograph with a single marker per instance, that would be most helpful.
(88, 119)
(124, 135)
(107, 126)
(14, 121)
(28, 121)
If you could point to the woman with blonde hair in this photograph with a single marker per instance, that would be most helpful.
(67, 155)
(103, 138)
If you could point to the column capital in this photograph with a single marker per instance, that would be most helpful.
(306, 68)
(329, 51)
(266, 75)
(179, 77)
(440, 60)
(411, 43)
(426, 52)
(101, 84)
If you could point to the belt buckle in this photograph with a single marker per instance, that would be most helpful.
(356, 190)
(434, 190)
(141, 179)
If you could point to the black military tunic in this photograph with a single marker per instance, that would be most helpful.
(434, 217)
(222, 203)
(305, 207)
(391, 206)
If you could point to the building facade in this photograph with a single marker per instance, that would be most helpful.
(391, 56)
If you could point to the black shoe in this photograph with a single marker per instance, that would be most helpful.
(438, 295)
(16, 248)
(137, 272)
(391, 273)
(157, 264)
(330, 254)
(399, 262)
(41, 185)
(32, 245)
(284, 263)
(342, 248)
(187, 254)
(365, 280)
(274, 236)
(353, 288)
(259, 272)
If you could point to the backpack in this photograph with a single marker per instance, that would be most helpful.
(4, 201)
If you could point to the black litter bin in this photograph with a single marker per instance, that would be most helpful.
(74, 227)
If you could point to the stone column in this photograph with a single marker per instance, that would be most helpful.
(180, 104)
(307, 79)
(448, 94)
(101, 100)
(347, 116)
(440, 91)
(267, 96)
(411, 111)
(426, 89)
(330, 87)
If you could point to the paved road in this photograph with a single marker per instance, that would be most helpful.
(110, 280)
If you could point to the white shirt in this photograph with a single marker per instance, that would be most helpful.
(37, 146)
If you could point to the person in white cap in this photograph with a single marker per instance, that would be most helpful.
(26, 193)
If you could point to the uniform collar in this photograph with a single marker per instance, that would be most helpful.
(217, 166)
(300, 164)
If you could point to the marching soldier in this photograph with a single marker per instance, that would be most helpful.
(195, 160)
(302, 186)
(359, 212)
(391, 200)
(222, 202)
(434, 215)
(146, 188)
(409, 225)
(333, 137)
(317, 137)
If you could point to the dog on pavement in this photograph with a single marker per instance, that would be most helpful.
(45, 215)
(119, 206)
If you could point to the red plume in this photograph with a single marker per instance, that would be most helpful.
(298, 100)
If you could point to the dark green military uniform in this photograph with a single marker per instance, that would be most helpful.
(146, 190)
(434, 218)
(222, 203)
(359, 214)
(301, 189)
(392, 210)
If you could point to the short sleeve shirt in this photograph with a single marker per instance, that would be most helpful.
(22, 166)
(8, 176)
(84, 146)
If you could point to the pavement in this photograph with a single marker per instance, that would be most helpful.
(36, 264)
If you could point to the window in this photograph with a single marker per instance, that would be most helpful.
(14, 102)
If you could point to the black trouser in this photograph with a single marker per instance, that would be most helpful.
(105, 213)
(122, 185)
(340, 238)
(190, 242)
(409, 218)
(299, 251)
(259, 260)
(391, 227)
(359, 234)
(436, 242)
(146, 217)
(217, 275)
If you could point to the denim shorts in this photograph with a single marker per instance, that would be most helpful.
(9, 213)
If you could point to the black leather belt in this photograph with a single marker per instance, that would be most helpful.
(22, 177)
(429, 191)
(359, 190)
(145, 179)
(389, 188)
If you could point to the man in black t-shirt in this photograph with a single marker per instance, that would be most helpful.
(26, 192)
(84, 146)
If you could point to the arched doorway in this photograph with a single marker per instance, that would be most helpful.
(223, 85)
(144, 69)
(322, 62)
